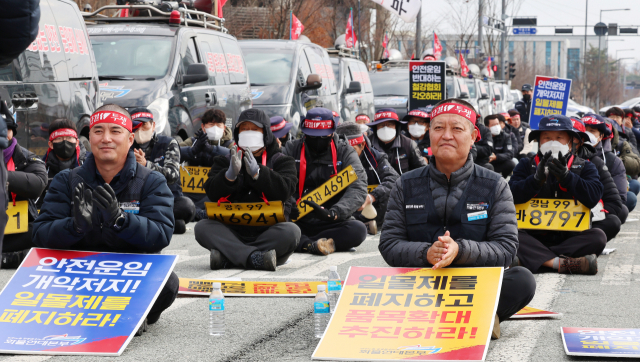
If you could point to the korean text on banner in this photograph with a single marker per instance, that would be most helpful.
(426, 83)
(407, 10)
(250, 288)
(86, 303)
(550, 96)
(601, 342)
(413, 313)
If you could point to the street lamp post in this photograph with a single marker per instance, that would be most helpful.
(599, 51)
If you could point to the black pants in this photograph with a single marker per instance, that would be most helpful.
(610, 225)
(624, 213)
(532, 253)
(488, 166)
(518, 288)
(282, 237)
(184, 209)
(505, 167)
(17, 242)
(345, 234)
(166, 297)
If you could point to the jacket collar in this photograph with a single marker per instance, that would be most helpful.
(457, 176)
(92, 179)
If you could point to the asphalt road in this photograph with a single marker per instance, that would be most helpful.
(281, 329)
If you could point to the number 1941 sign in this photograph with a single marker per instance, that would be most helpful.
(553, 214)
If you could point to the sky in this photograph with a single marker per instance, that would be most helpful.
(562, 13)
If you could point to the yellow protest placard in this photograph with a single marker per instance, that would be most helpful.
(553, 214)
(250, 288)
(413, 313)
(193, 178)
(18, 221)
(371, 188)
(246, 214)
(327, 190)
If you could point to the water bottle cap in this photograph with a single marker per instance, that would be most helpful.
(322, 288)
(333, 268)
(216, 285)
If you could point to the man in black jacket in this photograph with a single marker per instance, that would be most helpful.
(503, 149)
(256, 172)
(162, 154)
(454, 213)
(320, 154)
(402, 151)
(523, 106)
(484, 147)
(27, 179)
(568, 177)
(380, 174)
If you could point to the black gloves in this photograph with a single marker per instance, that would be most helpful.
(201, 141)
(540, 175)
(558, 167)
(107, 204)
(82, 209)
(321, 213)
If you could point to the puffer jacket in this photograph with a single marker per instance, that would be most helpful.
(610, 196)
(615, 166)
(484, 146)
(29, 179)
(502, 236)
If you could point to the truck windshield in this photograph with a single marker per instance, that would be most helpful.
(136, 57)
(390, 83)
(268, 67)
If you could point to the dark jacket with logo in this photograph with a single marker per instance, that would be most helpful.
(484, 146)
(29, 179)
(502, 147)
(148, 231)
(403, 153)
(379, 172)
(475, 205)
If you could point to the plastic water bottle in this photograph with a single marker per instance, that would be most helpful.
(335, 287)
(216, 311)
(321, 313)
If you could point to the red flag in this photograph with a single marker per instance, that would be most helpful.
(413, 55)
(296, 27)
(464, 69)
(489, 66)
(350, 37)
(220, 5)
(437, 47)
(385, 42)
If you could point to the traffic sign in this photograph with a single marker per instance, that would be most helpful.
(525, 31)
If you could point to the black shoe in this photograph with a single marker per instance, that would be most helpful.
(201, 215)
(12, 259)
(217, 260)
(515, 262)
(180, 227)
(263, 260)
(322, 246)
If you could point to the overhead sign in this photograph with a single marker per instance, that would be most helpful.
(413, 313)
(601, 342)
(426, 83)
(553, 214)
(250, 288)
(529, 312)
(86, 303)
(525, 31)
(193, 178)
(550, 96)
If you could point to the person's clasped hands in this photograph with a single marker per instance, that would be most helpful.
(443, 252)
(106, 204)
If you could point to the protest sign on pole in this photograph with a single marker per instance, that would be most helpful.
(601, 342)
(426, 83)
(550, 96)
(407, 10)
(74, 302)
(245, 288)
(388, 314)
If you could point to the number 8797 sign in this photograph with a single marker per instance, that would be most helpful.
(553, 214)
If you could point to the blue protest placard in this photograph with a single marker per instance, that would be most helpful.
(550, 96)
(72, 302)
(601, 342)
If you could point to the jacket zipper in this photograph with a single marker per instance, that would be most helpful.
(445, 204)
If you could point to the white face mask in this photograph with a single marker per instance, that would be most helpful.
(593, 140)
(141, 136)
(251, 140)
(386, 134)
(214, 133)
(554, 147)
(417, 130)
(495, 130)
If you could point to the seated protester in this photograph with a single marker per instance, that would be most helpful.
(364, 120)
(379, 173)
(65, 151)
(515, 133)
(85, 207)
(606, 213)
(280, 129)
(524, 146)
(320, 154)
(161, 153)
(402, 151)
(617, 114)
(629, 118)
(427, 223)
(630, 160)
(484, 146)
(26, 180)
(256, 172)
(501, 158)
(601, 134)
(636, 121)
(417, 122)
(568, 177)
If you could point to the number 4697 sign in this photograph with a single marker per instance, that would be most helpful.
(553, 214)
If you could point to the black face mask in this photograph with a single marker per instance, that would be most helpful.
(318, 145)
(526, 97)
(64, 149)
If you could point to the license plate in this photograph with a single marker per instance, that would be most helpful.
(246, 214)
(327, 190)
(553, 214)
(193, 178)
(18, 221)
